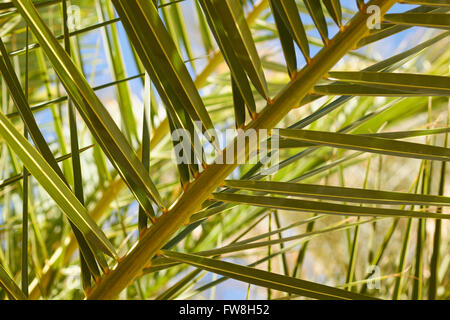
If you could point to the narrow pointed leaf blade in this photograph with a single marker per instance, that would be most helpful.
(238, 31)
(23, 108)
(338, 193)
(315, 9)
(406, 81)
(289, 12)
(94, 113)
(388, 30)
(264, 278)
(430, 20)
(286, 40)
(224, 42)
(353, 89)
(238, 105)
(369, 144)
(335, 10)
(429, 2)
(8, 284)
(322, 207)
(159, 54)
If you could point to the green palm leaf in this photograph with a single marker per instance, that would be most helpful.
(400, 81)
(264, 278)
(231, 14)
(432, 20)
(337, 193)
(289, 14)
(163, 62)
(10, 286)
(369, 144)
(322, 207)
(55, 187)
(352, 123)
(316, 11)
